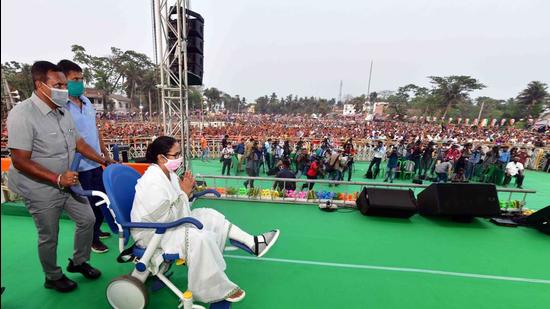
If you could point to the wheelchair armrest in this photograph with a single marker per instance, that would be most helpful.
(202, 193)
(162, 227)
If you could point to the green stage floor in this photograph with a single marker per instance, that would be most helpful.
(323, 260)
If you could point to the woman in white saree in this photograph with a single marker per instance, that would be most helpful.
(161, 196)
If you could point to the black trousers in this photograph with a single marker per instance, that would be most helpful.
(508, 178)
(349, 169)
(93, 180)
(311, 184)
(226, 164)
(376, 162)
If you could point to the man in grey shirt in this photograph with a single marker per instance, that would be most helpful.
(442, 170)
(42, 139)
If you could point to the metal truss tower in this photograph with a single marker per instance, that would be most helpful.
(170, 41)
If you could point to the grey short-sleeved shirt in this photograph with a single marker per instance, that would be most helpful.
(50, 135)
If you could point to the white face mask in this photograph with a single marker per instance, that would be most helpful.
(173, 164)
(59, 97)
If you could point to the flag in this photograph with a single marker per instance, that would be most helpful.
(502, 121)
(484, 122)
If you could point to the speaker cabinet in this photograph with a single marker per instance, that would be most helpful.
(386, 203)
(459, 200)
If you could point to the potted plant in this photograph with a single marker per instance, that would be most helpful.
(232, 192)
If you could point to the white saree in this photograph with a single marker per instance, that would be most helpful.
(159, 199)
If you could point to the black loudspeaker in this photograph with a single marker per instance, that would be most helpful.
(540, 220)
(386, 203)
(459, 200)
(195, 46)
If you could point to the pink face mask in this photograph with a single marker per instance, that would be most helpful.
(173, 164)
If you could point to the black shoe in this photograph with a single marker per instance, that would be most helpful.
(99, 247)
(103, 235)
(85, 269)
(62, 284)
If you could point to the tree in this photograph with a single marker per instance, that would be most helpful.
(358, 103)
(454, 89)
(533, 99)
(194, 99)
(103, 71)
(214, 97)
(133, 67)
(492, 108)
(148, 86)
(18, 76)
(373, 97)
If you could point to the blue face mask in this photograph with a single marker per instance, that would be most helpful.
(59, 97)
(75, 88)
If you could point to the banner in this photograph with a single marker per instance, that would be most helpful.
(467, 121)
(459, 120)
(493, 122)
(502, 121)
(512, 121)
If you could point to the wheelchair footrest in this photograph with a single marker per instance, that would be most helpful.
(224, 304)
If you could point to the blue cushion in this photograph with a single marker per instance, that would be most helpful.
(168, 257)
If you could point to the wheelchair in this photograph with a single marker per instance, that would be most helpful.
(129, 291)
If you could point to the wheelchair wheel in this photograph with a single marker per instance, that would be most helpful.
(126, 292)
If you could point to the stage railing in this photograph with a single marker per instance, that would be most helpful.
(216, 181)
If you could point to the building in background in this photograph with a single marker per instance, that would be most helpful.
(379, 108)
(120, 103)
(349, 110)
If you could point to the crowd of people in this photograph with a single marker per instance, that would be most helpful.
(421, 160)
(127, 126)
(339, 127)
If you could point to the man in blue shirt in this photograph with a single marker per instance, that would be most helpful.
(504, 156)
(240, 155)
(473, 161)
(90, 173)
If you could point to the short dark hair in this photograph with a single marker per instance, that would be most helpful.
(67, 66)
(161, 146)
(40, 69)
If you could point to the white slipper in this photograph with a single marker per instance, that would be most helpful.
(238, 298)
(264, 242)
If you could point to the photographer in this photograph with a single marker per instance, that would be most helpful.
(349, 153)
(379, 153)
(285, 172)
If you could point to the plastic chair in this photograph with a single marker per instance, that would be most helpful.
(407, 169)
(128, 291)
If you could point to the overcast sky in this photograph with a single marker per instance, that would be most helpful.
(306, 47)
